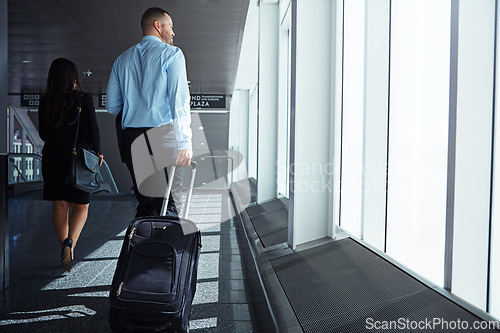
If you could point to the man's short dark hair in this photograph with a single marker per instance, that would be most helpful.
(150, 16)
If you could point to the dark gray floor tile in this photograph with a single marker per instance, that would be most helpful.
(44, 298)
(234, 274)
(231, 265)
(232, 284)
(227, 257)
(236, 312)
(236, 327)
(234, 296)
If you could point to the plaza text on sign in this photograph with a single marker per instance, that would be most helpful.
(208, 101)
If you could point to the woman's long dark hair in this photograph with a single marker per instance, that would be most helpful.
(60, 82)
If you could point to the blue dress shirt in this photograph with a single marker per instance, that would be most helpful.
(149, 82)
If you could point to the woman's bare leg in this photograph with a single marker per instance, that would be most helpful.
(77, 219)
(60, 219)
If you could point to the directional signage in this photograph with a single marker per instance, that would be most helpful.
(102, 100)
(208, 101)
(30, 99)
(198, 101)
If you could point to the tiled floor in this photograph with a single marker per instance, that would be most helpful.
(44, 298)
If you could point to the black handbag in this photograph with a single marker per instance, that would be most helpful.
(84, 166)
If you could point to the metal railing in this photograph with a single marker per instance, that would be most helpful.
(105, 178)
(27, 168)
(24, 167)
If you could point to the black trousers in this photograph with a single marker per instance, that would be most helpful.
(150, 206)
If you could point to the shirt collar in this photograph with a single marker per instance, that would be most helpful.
(151, 38)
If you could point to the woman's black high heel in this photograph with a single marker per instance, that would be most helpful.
(66, 254)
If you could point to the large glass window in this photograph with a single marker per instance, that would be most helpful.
(418, 135)
(471, 219)
(397, 85)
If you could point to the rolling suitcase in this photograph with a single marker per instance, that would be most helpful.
(155, 278)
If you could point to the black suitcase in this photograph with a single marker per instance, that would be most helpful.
(155, 278)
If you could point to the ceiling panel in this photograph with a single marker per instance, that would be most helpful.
(93, 33)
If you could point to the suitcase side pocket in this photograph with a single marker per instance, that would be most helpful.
(150, 273)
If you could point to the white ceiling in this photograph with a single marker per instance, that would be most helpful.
(92, 33)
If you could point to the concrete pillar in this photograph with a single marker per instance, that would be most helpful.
(475, 69)
(243, 126)
(311, 137)
(267, 152)
(238, 133)
(4, 160)
(3, 75)
(10, 120)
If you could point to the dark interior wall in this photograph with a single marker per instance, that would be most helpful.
(110, 151)
(214, 132)
(210, 138)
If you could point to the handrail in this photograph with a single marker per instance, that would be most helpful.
(38, 156)
(226, 157)
(110, 181)
(27, 127)
(105, 175)
(22, 172)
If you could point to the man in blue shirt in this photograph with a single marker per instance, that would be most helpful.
(148, 83)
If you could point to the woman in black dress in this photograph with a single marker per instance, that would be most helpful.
(57, 110)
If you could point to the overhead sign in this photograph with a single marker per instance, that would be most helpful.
(198, 101)
(208, 101)
(30, 99)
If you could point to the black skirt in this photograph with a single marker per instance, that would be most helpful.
(54, 170)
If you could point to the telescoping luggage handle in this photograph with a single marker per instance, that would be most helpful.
(169, 188)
